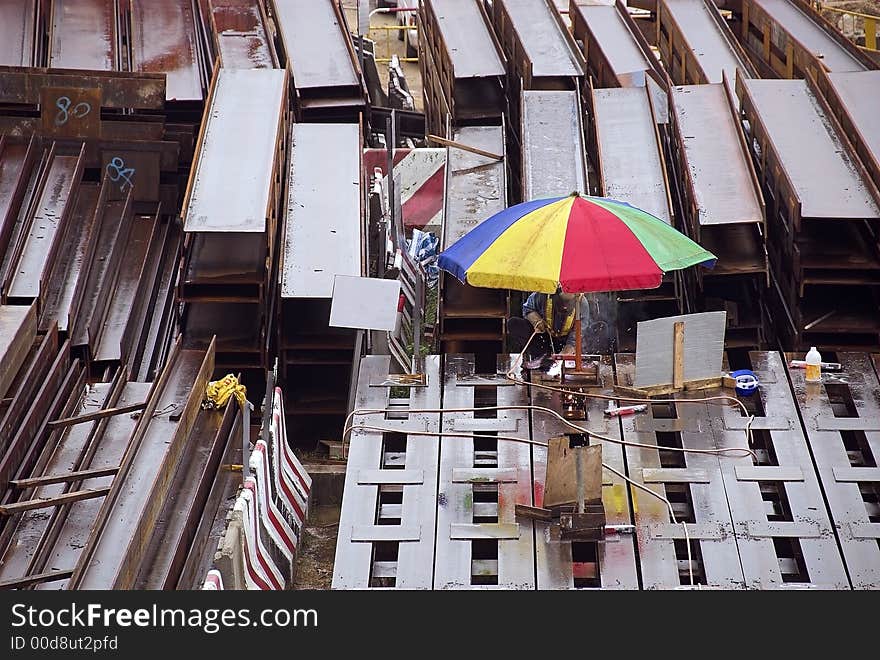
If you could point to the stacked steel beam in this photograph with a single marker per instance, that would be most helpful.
(723, 209)
(823, 215)
(464, 76)
(231, 216)
(316, 47)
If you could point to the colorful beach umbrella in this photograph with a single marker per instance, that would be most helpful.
(580, 243)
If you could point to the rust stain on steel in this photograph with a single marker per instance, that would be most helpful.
(232, 180)
(163, 36)
(241, 35)
(17, 32)
(83, 35)
(803, 138)
(719, 169)
(625, 126)
(308, 27)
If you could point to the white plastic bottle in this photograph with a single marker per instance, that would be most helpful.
(813, 366)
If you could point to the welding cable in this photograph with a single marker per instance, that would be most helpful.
(348, 427)
(607, 397)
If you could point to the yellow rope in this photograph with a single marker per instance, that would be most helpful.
(218, 392)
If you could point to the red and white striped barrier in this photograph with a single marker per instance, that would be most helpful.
(422, 181)
(292, 482)
(270, 517)
(213, 581)
(261, 573)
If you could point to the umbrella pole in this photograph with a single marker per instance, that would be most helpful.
(578, 358)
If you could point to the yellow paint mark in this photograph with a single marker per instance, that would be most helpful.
(635, 499)
(618, 494)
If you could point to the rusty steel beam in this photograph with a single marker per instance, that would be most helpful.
(113, 556)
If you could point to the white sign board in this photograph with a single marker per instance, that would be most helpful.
(703, 348)
(364, 302)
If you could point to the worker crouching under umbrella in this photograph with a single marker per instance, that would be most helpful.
(550, 315)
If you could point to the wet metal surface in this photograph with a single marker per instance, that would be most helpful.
(83, 35)
(760, 520)
(233, 175)
(812, 155)
(369, 464)
(612, 36)
(65, 458)
(122, 300)
(476, 185)
(60, 182)
(842, 420)
(547, 45)
(616, 560)
(163, 35)
(710, 43)
(81, 516)
(316, 46)
(552, 145)
(129, 510)
(322, 235)
(241, 34)
(68, 265)
(471, 476)
(17, 32)
(719, 169)
(468, 39)
(813, 37)
(630, 163)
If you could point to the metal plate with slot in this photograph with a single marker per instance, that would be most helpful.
(674, 475)
(391, 477)
(484, 475)
(372, 533)
(469, 424)
(671, 531)
(759, 423)
(501, 531)
(796, 530)
(645, 424)
(769, 473)
(847, 474)
(826, 423)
